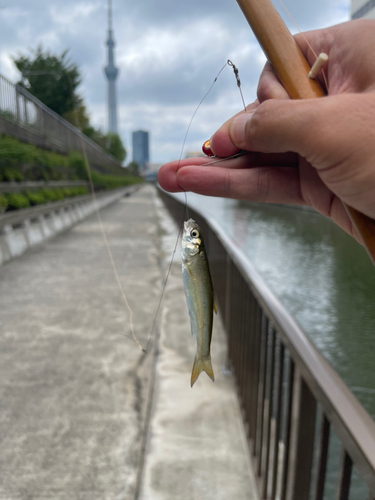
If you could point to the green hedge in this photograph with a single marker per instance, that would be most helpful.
(15, 201)
(101, 181)
(3, 203)
(21, 162)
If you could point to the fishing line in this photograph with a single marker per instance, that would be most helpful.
(101, 226)
(236, 74)
(308, 44)
(186, 209)
(219, 160)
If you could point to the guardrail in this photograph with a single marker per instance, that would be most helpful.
(291, 397)
(23, 229)
(17, 187)
(20, 111)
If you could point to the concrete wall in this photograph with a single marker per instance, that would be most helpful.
(15, 239)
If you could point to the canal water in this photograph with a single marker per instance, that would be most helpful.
(323, 277)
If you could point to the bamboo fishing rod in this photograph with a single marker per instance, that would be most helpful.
(292, 70)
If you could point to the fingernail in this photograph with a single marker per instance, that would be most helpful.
(237, 128)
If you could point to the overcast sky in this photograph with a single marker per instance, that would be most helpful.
(168, 53)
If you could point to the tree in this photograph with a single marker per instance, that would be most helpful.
(111, 143)
(53, 80)
(133, 168)
(78, 117)
(114, 146)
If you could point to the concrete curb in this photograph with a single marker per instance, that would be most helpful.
(196, 444)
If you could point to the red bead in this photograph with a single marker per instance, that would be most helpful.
(206, 148)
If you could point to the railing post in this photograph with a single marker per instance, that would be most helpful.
(18, 117)
(25, 109)
(322, 458)
(345, 473)
(302, 440)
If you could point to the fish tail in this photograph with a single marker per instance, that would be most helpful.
(202, 364)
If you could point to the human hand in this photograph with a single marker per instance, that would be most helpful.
(313, 152)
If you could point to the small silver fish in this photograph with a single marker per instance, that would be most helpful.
(199, 295)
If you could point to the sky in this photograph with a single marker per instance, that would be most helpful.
(168, 53)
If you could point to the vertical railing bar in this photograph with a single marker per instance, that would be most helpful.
(288, 421)
(253, 353)
(302, 440)
(256, 368)
(322, 458)
(242, 329)
(235, 327)
(262, 393)
(269, 414)
(228, 312)
(345, 474)
(278, 416)
(247, 349)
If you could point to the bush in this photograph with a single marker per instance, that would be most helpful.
(35, 197)
(75, 191)
(77, 162)
(52, 194)
(20, 161)
(3, 203)
(10, 174)
(12, 152)
(16, 201)
(111, 181)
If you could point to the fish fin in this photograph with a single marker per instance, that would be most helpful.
(215, 306)
(202, 364)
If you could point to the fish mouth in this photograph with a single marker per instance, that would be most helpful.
(188, 225)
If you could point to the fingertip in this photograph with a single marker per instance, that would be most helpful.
(167, 177)
(221, 143)
(237, 130)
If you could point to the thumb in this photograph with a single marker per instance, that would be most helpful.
(324, 131)
(336, 135)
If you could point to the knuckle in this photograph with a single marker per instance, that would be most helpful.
(259, 118)
(227, 184)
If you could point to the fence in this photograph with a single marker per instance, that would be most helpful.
(294, 404)
(25, 117)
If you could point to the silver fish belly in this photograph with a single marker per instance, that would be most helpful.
(199, 295)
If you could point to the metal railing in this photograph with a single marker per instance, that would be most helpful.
(294, 404)
(21, 108)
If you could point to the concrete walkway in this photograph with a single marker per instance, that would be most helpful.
(76, 395)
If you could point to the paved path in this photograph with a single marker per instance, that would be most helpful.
(75, 393)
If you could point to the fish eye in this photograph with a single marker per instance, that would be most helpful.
(194, 233)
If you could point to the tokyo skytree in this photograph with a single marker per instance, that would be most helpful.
(111, 73)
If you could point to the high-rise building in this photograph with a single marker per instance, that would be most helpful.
(141, 149)
(111, 73)
(362, 8)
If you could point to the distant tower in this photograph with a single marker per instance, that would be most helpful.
(141, 149)
(111, 72)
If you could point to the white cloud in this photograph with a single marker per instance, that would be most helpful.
(168, 54)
